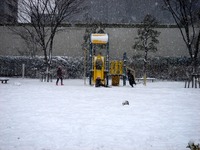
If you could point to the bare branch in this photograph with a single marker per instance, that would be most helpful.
(183, 12)
(45, 17)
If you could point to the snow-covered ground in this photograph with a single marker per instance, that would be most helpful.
(37, 115)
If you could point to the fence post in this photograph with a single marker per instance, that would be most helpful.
(23, 70)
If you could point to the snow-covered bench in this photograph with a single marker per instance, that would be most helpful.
(4, 80)
(148, 79)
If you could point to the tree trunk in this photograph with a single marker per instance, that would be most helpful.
(46, 61)
(196, 52)
(145, 68)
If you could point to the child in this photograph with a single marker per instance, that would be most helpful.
(98, 82)
(131, 78)
(59, 75)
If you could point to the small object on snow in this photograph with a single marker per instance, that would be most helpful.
(125, 103)
(193, 145)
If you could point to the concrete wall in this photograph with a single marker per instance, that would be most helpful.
(68, 42)
(9, 42)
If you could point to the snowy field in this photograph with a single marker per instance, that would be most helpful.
(37, 115)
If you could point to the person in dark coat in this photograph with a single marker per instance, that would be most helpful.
(99, 83)
(131, 78)
(59, 75)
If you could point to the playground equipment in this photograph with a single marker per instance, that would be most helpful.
(118, 70)
(99, 65)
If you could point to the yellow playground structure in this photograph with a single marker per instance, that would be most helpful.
(99, 65)
(99, 68)
(116, 71)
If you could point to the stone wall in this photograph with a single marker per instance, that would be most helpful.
(68, 42)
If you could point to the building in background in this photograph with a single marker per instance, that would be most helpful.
(8, 11)
(123, 12)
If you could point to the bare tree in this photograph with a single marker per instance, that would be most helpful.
(30, 39)
(147, 39)
(41, 20)
(186, 14)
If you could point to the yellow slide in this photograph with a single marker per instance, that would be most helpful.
(99, 65)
